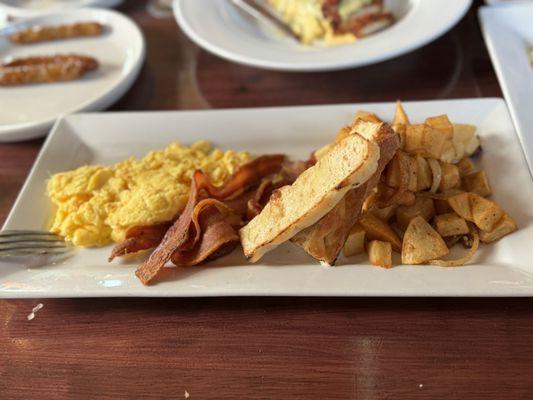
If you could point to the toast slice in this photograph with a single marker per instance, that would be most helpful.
(325, 239)
(349, 164)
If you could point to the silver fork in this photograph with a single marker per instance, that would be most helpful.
(21, 243)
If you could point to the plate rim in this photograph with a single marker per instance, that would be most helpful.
(32, 130)
(181, 18)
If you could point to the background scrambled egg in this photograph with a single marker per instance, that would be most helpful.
(306, 19)
(97, 205)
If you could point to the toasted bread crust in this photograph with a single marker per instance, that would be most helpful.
(324, 240)
(350, 163)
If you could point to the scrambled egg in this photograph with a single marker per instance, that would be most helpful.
(306, 19)
(96, 205)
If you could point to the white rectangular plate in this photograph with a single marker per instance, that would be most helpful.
(502, 269)
(508, 32)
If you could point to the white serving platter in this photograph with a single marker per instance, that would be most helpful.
(508, 32)
(502, 269)
(220, 28)
(29, 111)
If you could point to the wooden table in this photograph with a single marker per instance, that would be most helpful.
(270, 348)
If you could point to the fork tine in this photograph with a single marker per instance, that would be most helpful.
(32, 246)
(10, 233)
(29, 239)
(20, 243)
(34, 251)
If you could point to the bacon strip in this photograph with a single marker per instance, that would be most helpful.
(140, 238)
(247, 176)
(175, 237)
(207, 226)
(218, 238)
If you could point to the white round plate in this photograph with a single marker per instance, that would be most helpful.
(28, 111)
(32, 8)
(217, 26)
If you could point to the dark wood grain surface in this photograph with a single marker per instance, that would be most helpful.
(270, 348)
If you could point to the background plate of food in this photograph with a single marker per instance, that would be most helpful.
(62, 63)
(332, 34)
(508, 32)
(32, 8)
(451, 173)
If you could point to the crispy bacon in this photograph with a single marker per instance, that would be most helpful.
(208, 226)
(174, 238)
(218, 238)
(244, 178)
(140, 238)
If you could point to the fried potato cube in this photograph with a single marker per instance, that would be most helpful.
(465, 165)
(366, 116)
(424, 176)
(450, 224)
(433, 142)
(421, 243)
(392, 175)
(503, 227)
(380, 253)
(377, 229)
(450, 178)
(465, 140)
(448, 152)
(400, 130)
(400, 123)
(406, 199)
(438, 138)
(485, 213)
(441, 123)
(460, 203)
(394, 171)
(477, 183)
(355, 243)
(414, 135)
(413, 174)
(400, 116)
(472, 207)
(422, 207)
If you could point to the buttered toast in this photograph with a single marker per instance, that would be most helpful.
(350, 162)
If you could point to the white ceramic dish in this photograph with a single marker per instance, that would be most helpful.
(217, 26)
(502, 269)
(508, 32)
(29, 111)
(32, 8)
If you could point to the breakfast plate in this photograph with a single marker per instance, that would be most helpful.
(508, 32)
(28, 111)
(502, 269)
(218, 27)
(32, 8)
